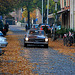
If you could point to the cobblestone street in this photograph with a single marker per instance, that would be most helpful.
(18, 60)
(37, 37)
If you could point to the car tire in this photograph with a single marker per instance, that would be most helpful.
(46, 46)
(25, 45)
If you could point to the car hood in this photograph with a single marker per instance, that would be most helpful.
(2, 37)
(36, 36)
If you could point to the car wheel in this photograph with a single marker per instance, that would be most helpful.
(25, 45)
(46, 46)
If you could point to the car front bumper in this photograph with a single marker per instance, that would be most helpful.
(3, 44)
(36, 43)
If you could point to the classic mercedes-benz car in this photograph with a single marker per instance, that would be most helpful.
(36, 37)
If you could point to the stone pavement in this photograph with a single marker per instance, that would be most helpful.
(58, 45)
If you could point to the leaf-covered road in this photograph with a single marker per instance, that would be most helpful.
(19, 60)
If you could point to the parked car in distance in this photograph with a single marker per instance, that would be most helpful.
(58, 27)
(36, 37)
(2, 28)
(35, 26)
(6, 27)
(1, 34)
(3, 42)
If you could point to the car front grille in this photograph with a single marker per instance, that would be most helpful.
(37, 40)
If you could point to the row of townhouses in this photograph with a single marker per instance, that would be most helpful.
(68, 13)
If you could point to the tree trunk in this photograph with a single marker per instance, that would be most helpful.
(45, 17)
(28, 19)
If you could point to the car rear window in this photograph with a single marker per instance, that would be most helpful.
(44, 26)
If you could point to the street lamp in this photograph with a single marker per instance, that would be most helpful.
(42, 11)
(55, 8)
(54, 30)
(55, 4)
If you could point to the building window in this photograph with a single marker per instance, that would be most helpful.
(64, 2)
(68, 3)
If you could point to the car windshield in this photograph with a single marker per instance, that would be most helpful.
(35, 26)
(36, 32)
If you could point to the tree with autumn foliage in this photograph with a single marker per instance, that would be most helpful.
(25, 13)
(33, 14)
(7, 6)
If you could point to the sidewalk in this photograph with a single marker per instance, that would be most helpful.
(58, 45)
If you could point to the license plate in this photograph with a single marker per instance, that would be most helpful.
(36, 43)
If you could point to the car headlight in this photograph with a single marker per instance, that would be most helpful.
(2, 40)
(26, 38)
(46, 39)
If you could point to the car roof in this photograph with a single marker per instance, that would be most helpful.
(35, 24)
(32, 29)
(44, 25)
(35, 30)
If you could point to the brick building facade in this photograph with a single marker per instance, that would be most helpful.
(68, 13)
(65, 12)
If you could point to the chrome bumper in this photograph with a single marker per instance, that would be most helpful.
(3, 44)
(36, 43)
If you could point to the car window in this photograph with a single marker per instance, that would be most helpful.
(35, 26)
(46, 26)
(41, 32)
(31, 32)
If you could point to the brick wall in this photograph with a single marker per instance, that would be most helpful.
(63, 2)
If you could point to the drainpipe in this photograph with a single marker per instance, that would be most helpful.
(47, 10)
(42, 11)
(73, 14)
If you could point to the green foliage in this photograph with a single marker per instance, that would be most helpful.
(7, 6)
(25, 13)
(30, 5)
(62, 31)
(22, 21)
(51, 6)
(38, 3)
(55, 11)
